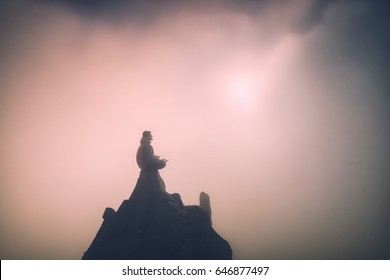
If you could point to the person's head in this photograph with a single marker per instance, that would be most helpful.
(147, 135)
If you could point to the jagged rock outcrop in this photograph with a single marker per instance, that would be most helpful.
(204, 204)
(153, 224)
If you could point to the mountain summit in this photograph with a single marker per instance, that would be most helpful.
(153, 224)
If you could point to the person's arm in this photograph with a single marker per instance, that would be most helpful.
(159, 163)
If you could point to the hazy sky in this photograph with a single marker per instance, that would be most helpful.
(279, 110)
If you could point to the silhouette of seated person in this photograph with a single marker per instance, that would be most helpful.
(146, 159)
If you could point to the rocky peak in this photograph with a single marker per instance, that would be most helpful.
(153, 224)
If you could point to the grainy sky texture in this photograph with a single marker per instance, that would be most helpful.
(279, 110)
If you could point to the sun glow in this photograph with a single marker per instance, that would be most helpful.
(242, 88)
(243, 91)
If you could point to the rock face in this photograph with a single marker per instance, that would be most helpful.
(204, 204)
(153, 224)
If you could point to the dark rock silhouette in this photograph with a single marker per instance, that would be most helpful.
(153, 224)
(204, 203)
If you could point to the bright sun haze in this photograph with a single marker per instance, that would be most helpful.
(242, 90)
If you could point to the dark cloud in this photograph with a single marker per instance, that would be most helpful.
(365, 37)
(314, 14)
(359, 36)
(116, 10)
(358, 30)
